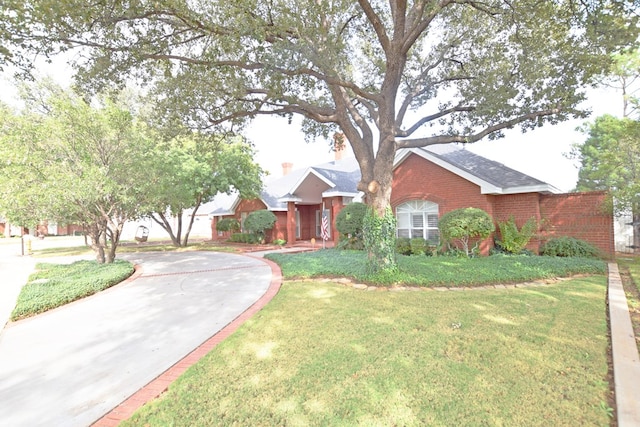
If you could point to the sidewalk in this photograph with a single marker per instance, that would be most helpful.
(15, 270)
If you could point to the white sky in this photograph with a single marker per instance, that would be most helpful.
(539, 153)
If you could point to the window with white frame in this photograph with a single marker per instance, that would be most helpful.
(297, 224)
(418, 218)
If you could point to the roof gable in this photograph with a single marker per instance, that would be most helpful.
(492, 177)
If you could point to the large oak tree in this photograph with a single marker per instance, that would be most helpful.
(385, 74)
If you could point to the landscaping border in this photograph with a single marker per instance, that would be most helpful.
(626, 361)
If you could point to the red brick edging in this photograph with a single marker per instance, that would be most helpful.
(159, 385)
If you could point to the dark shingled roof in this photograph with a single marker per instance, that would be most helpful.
(345, 175)
(489, 170)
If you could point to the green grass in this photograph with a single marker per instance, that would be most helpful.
(53, 285)
(63, 251)
(435, 271)
(324, 354)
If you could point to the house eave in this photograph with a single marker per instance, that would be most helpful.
(544, 189)
(330, 193)
(303, 178)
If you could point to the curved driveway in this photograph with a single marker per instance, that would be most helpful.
(73, 364)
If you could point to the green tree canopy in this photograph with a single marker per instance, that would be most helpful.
(70, 162)
(386, 74)
(610, 160)
(190, 169)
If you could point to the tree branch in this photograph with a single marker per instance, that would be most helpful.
(432, 117)
(446, 139)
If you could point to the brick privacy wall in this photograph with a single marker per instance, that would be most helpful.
(579, 215)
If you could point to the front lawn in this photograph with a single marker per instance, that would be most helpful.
(435, 271)
(53, 285)
(326, 354)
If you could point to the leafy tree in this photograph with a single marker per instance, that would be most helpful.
(610, 160)
(464, 224)
(625, 76)
(386, 74)
(75, 164)
(190, 169)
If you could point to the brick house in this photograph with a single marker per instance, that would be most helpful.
(427, 183)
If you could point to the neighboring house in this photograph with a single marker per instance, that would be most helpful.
(427, 183)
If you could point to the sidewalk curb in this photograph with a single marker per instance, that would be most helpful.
(626, 362)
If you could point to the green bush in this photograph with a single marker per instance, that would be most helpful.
(512, 240)
(350, 243)
(349, 225)
(280, 242)
(403, 245)
(461, 225)
(569, 247)
(349, 219)
(259, 221)
(418, 245)
(228, 224)
(244, 238)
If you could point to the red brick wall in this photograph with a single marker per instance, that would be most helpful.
(419, 179)
(521, 207)
(579, 215)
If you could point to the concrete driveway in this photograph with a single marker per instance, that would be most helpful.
(72, 365)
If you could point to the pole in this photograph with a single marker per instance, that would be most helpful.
(321, 222)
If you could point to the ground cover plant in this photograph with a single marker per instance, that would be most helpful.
(326, 354)
(435, 271)
(53, 285)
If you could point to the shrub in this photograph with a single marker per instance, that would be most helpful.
(403, 245)
(350, 243)
(244, 238)
(280, 242)
(569, 247)
(259, 221)
(512, 240)
(228, 224)
(418, 245)
(463, 224)
(349, 225)
(349, 219)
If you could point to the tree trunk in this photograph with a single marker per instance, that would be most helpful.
(164, 223)
(193, 217)
(381, 227)
(95, 235)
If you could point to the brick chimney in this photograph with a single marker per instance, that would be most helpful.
(286, 168)
(339, 145)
